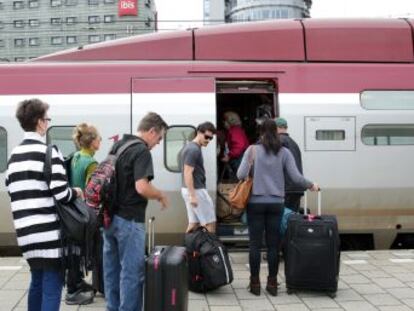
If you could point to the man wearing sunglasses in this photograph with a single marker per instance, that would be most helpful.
(200, 207)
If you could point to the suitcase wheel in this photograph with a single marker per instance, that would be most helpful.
(332, 294)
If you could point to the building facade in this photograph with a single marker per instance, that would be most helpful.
(254, 10)
(31, 28)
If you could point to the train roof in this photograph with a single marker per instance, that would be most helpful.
(299, 40)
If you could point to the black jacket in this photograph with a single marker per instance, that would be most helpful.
(293, 147)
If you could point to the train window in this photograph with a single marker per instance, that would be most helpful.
(330, 135)
(387, 100)
(388, 134)
(3, 149)
(61, 136)
(175, 139)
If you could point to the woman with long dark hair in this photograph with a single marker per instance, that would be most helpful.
(268, 161)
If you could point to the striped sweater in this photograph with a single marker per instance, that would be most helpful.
(34, 212)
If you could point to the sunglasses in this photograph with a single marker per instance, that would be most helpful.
(208, 137)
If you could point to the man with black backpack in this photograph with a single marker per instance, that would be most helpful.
(124, 239)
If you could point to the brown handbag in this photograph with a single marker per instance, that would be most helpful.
(239, 196)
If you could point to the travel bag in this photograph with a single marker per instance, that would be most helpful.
(166, 286)
(312, 252)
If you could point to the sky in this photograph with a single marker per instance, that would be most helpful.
(178, 11)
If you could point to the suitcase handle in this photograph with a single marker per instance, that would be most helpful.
(151, 234)
(319, 203)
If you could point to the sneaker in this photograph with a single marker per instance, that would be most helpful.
(84, 286)
(79, 298)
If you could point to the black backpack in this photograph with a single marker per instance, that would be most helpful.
(208, 261)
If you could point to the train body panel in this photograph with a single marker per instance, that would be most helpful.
(367, 182)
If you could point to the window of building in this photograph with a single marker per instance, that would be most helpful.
(176, 138)
(71, 40)
(34, 41)
(108, 37)
(1, 5)
(18, 42)
(388, 134)
(17, 5)
(33, 4)
(3, 149)
(34, 23)
(387, 100)
(148, 3)
(330, 135)
(61, 136)
(71, 2)
(109, 1)
(55, 3)
(56, 40)
(56, 21)
(70, 20)
(93, 2)
(2, 43)
(19, 23)
(109, 18)
(94, 38)
(148, 22)
(93, 19)
(19, 59)
(1, 25)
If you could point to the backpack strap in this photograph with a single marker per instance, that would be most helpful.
(125, 147)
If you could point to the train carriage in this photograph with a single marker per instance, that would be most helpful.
(346, 88)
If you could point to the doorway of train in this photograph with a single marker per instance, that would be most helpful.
(241, 107)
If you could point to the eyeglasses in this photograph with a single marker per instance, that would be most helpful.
(208, 137)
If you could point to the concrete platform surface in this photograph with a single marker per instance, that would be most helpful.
(372, 280)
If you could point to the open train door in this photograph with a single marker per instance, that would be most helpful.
(183, 103)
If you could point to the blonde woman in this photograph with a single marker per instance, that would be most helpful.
(88, 141)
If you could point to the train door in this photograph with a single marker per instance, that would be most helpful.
(248, 103)
(183, 103)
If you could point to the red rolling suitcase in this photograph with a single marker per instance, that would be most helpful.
(312, 252)
(166, 275)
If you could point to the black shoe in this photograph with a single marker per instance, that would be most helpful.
(84, 287)
(79, 298)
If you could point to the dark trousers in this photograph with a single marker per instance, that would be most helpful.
(74, 276)
(264, 218)
(45, 290)
(292, 201)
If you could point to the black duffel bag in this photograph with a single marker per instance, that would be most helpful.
(76, 218)
(208, 261)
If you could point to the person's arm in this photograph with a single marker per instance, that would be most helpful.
(89, 170)
(148, 191)
(244, 168)
(189, 184)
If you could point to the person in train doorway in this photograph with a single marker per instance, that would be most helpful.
(268, 160)
(200, 207)
(87, 141)
(32, 202)
(124, 240)
(293, 193)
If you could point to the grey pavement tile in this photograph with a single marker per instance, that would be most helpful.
(357, 305)
(404, 277)
(402, 293)
(365, 289)
(347, 295)
(12, 285)
(243, 293)
(239, 258)
(409, 302)
(238, 267)
(196, 296)
(382, 300)
(365, 267)
(257, 305)
(198, 305)
(328, 309)
(65, 307)
(11, 297)
(225, 308)
(320, 302)
(98, 304)
(388, 282)
(283, 298)
(403, 254)
(410, 284)
(342, 285)
(395, 308)
(223, 290)
(359, 255)
(355, 279)
(394, 269)
(240, 283)
(293, 307)
(378, 273)
(222, 300)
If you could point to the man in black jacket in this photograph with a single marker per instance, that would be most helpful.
(292, 192)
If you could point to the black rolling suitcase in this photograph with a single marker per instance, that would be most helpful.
(312, 252)
(166, 275)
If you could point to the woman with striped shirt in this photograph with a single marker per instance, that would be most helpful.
(33, 208)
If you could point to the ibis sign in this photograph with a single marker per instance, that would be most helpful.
(127, 7)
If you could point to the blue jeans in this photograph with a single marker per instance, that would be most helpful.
(45, 290)
(124, 264)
